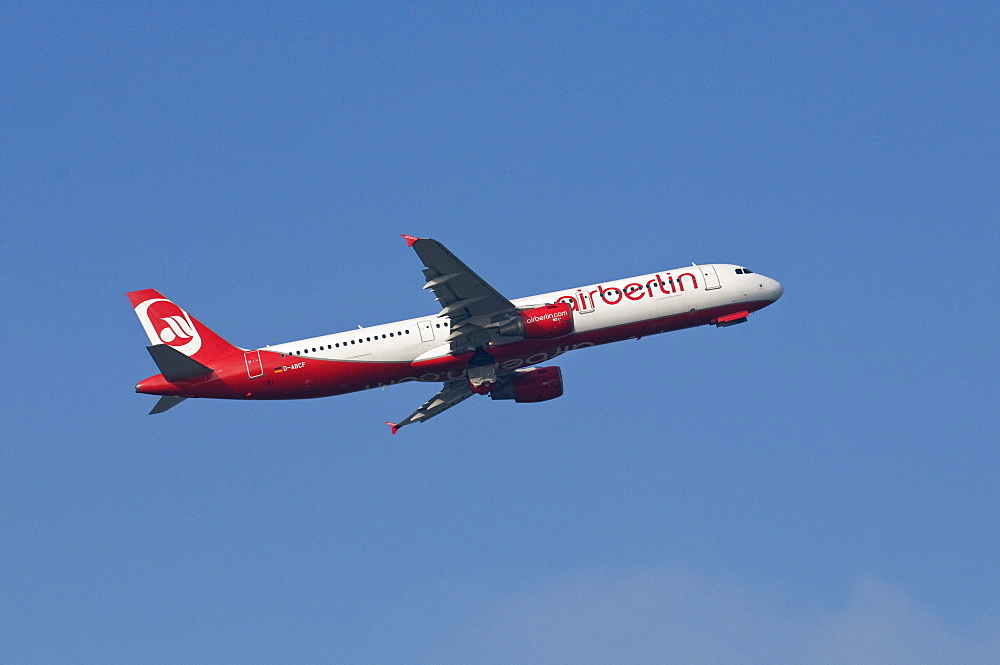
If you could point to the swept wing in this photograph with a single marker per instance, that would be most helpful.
(467, 300)
(473, 308)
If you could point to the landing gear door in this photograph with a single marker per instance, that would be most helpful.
(711, 277)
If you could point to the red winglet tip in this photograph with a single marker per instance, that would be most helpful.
(409, 239)
(394, 426)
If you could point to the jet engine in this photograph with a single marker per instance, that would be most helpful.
(535, 384)
(543, 322)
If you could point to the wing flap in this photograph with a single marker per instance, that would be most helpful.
(438, 281)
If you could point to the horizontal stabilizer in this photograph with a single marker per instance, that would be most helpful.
(166, 402)
(174, 365)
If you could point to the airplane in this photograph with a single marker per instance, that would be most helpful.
(480, 343)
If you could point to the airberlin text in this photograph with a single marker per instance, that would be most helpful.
(584, 301)
(551, 316)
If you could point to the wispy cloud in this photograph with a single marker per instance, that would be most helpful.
(672, 615)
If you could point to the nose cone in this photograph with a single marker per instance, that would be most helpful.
(775, 289)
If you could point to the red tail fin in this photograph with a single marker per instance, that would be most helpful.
(166, 323)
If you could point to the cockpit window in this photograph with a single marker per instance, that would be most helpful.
(744, 271)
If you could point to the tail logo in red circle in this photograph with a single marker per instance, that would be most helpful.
(166, 323)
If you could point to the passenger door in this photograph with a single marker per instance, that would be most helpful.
(711, 277)
(426, 331)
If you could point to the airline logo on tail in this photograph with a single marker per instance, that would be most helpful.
(166, 323)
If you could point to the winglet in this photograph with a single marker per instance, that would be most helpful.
(409, 239)
(394, 426)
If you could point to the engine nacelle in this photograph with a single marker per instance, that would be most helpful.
(543, 322)
(535, 384)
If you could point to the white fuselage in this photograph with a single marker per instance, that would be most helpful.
(597, 307)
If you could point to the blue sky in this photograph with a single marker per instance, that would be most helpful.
(817, 486)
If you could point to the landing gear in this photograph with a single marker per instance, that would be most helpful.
(482, 372)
